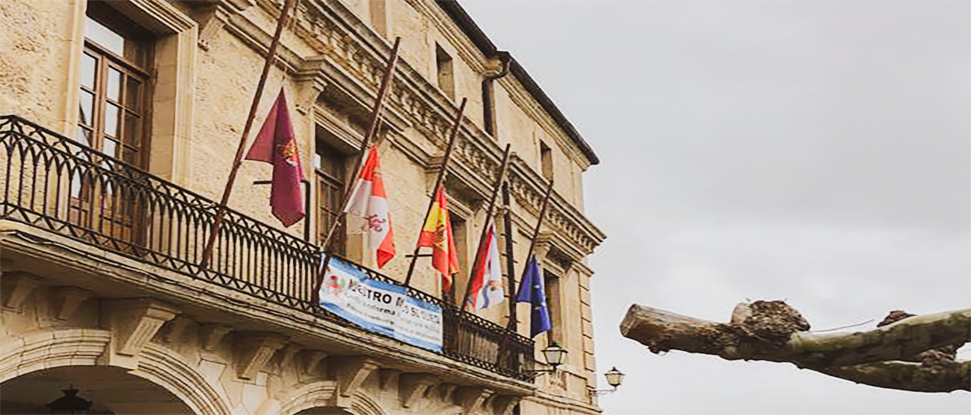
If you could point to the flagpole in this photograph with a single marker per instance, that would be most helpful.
(539, 223)
(438, 183)
(513, 323)
(270, 59)
(372, 130)
(485, 228)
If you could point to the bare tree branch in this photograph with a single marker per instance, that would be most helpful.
(946, 376)
(773, 331)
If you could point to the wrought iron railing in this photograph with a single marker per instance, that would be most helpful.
(58, 184)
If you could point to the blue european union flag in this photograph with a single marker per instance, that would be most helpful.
(531, 291)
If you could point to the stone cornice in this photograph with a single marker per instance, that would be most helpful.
(527, 187)
(522, 99)
(467, 50)
(358, 56)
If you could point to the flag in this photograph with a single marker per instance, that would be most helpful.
(486, 279)
(531, 291)
(370, 202)
(437, 234)
(276, 144)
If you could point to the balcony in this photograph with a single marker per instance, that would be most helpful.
(55, 184)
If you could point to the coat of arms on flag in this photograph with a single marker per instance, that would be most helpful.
(370, 201)
(437, 234)
(487, 288)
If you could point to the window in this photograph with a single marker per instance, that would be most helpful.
(446, 77)
(552, 285)
(114, 84)
(112, 118)
(330, 166)
(546, 160)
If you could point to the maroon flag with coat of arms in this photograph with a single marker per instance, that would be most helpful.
(276, 144)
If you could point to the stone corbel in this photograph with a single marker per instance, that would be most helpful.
(254, 351)
(211, 21)
(22, 286)
(543, 245)
(312, 360)
(503, 404)
(471, 398)
(211, 334)
(351, 373)
(446, 390)
(310, 81)
(68, 300)
(213, 16)
(288, 353)
(176, 329)
(388, 377)
(135, 321)
(412, 386)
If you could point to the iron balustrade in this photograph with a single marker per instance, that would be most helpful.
(58, 184)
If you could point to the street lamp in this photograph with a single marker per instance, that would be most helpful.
(614, 378)
(70, 403)
(554, 355)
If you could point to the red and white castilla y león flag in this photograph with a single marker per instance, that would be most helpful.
(437, 234)
(486, 280)
(276, 144)
(370, 202)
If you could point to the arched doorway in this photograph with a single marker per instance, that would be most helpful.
(323, 411)
(111, 389)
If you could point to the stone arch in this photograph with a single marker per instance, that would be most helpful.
(309, 396)
(321, 395)
(362, 404)
(167, 368)
(47, 349)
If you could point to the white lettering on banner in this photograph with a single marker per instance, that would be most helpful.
(379, 306)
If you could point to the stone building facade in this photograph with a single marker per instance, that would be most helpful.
(120, 121)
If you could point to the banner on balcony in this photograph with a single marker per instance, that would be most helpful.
(380, 307)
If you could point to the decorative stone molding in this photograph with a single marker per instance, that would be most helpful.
(211, 19)
(317, 394)
(412, 386)
(351, 373)
(46, 349)
(211, 334)
(429, 110)
(471, 398)
(135, 321)
(165, 367)
(311, 79)
(68, 299)
(527, 188)
(254, 351)
(23, 284)
(212, 16)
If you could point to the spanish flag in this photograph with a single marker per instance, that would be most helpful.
(437, 234)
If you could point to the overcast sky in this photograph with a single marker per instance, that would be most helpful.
(818, 152)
